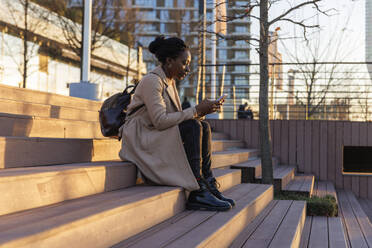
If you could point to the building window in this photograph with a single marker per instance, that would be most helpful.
(240, 43)
(222, 54)
(240, 54)
(241, 29)
(43, 63)
(146, 3)
(168, 3)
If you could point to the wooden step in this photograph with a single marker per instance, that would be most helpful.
(301, 184)
(323, 188)
(46, 110)
(252, 169)
(26, 188)
(52, 151)
(321, 231)
(100, 220)
(207, 229)
(280, 225)
(283, 175)
(41, 97)
(222, 145)
(33, 126)
(220, 136)
(227, 158)
(356, 222)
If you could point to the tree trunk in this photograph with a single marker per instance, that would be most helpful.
(25, 46)
(264, 125)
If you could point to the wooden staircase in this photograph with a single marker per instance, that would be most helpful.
(63, 185)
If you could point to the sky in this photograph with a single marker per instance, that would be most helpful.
(345, 26)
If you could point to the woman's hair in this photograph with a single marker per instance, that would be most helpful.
(164, 48)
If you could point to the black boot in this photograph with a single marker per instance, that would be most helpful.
(202, 199)
(212, 186)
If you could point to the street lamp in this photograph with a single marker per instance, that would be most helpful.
(85, 89)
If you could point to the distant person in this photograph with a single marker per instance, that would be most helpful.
(171, 146)
(249, 113)
(185, 104)
(242, 113)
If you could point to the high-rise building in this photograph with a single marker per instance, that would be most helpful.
(369, 35)
(181, 18)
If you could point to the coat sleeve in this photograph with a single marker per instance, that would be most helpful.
(151, 91)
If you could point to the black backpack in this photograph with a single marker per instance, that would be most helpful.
(114, 110)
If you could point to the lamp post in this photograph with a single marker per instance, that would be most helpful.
(85, 89)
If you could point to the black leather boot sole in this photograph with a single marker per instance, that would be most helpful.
(199, 206)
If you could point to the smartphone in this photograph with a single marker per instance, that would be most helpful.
(221, 97)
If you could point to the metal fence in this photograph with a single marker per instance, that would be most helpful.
(297, 91)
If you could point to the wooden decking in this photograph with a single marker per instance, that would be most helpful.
(320, 231)
(356, 223)
(366, 204)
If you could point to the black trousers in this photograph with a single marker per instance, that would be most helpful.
(196, 137)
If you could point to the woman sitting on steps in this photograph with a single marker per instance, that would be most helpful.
(171, 146)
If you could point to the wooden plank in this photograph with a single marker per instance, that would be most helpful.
(307, 147)
(226, 127)
(292, 142)
(269, 226)
(319, 232)
(213, 231)
(248, 133)
(289, 232)
(361, 217)
(315, 189)
(306, 232)
(363, 141)
(347, 142)
(355, 134)
(370, 188)
(353, 229)
(367, 207)
(315, 142)
(284, 137)
(331, 151)
(336, 234)
(355, 185)
(277, 138)
(323, 150)
(251, 227)
(234, 129)
(331, 189)
(322, 189)
(338, 153)
(300, 137)
(255, 135)
(240, 130)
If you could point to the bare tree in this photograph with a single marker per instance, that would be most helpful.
(110, 20)
(262, 40)
(27, 21)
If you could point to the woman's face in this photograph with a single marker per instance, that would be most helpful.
(180, 66)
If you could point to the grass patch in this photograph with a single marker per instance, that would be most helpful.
(316, 206)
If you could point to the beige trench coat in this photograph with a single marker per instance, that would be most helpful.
(151, 138)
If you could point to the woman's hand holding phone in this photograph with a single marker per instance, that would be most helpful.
(207, 106)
